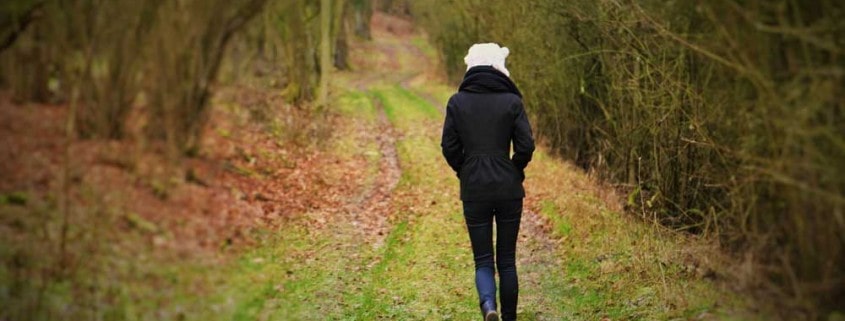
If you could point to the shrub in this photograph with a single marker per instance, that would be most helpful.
(719, 118)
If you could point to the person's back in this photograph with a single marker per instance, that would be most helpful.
(483, 118)
(486, 123)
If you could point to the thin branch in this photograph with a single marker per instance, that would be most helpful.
(662, 30)
(20, 25)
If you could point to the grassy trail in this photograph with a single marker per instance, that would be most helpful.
(364, 223)
(580, 258)
(400, 251)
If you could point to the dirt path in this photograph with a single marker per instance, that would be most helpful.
(370, 215)
(537, 261)
(579, 257)
(426, 229)
(361, 221)
(400, 251)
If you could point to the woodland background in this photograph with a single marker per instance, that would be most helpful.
(722, 119)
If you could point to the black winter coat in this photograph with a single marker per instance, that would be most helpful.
(482, 119)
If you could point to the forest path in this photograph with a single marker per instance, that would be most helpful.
(400, 251)
(350, 213)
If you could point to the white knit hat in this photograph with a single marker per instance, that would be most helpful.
(487, 54)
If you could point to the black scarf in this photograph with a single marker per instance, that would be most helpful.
(486, 79)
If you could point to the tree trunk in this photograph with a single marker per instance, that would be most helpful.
(325, 51)
(363, 13)
(341, 48)
(296, 54)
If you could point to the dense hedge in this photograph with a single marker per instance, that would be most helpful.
(718, 117)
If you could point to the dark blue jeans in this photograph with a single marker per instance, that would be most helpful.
(479, 219)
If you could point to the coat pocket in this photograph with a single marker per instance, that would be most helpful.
(520, 174)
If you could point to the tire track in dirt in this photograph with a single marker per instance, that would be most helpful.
(363, 219)
(538, 256)
(371, 215)
(539, 252)
(367, 219)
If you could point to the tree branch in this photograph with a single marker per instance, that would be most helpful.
(20, 25)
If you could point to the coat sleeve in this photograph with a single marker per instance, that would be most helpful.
(523, 140)
(450, 143)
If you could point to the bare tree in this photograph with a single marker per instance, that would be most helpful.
(325, 51)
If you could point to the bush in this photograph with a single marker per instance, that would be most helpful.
(719, 118)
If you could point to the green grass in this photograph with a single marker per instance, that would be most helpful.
(293, 277)
(606, 264)
(404, 108)
(423, 268)
(424, 271)
(356, 104)
(616, 266)
(561, 223)
(425, 46)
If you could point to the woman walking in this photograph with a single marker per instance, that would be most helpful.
(483, 118)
